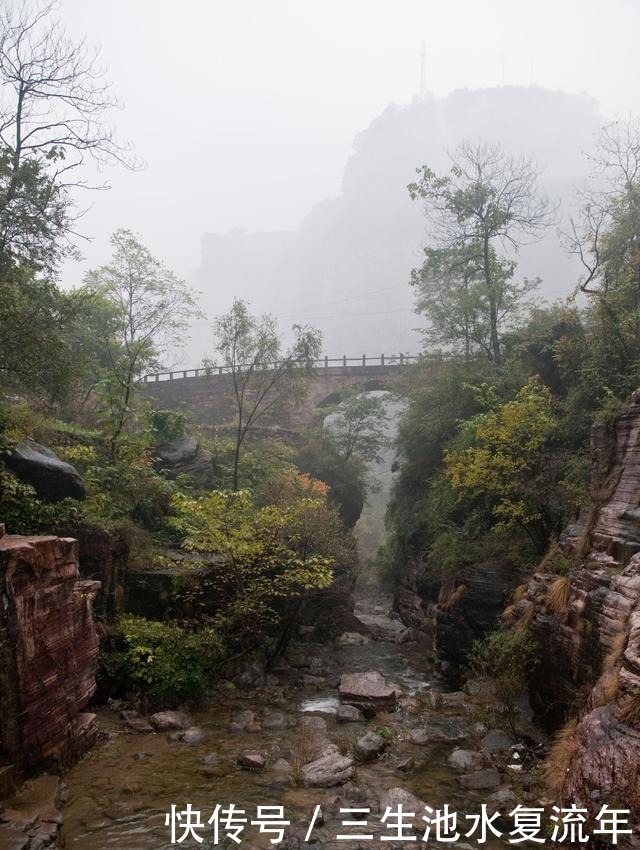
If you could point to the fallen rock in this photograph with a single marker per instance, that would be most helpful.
(481, 780)
(332, 768)
(53, 479)
(252, 761)
(465, 760)
(370, 746)
(167, 721)
(349, 714)
(367, 691)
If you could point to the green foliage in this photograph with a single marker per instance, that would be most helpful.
(165, 426)
(267, 555)
(319, 457)
(163, 661)
(265, 377)
(507, 656)
(506, 460)
(357, 427)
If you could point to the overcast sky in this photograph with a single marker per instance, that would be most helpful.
(245, 110)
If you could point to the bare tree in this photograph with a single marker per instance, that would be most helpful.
(605, 236)
(486, 200)
(54, 103)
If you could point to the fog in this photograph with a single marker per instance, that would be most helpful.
(290, 119)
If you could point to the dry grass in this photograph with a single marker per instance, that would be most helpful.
(630, 709)
(562, 752)
(449, 596)
(605, 690)
(557, 598)
(523, 624)
(519, 593)
(302, 752)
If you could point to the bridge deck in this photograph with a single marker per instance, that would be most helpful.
(326, 366)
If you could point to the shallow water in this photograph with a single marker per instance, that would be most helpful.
(121, 790)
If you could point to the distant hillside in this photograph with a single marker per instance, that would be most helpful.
(371, 235)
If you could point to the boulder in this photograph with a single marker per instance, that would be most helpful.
(187, 457)
(53, 479)
(241, 720)
(169, 721)
(331, 768)
(465, 760)
(349, 714)
(370, 746)
(138, 724)
(368, 692)
(252, 761)
(482, 780)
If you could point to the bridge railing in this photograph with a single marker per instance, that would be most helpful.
(325, 364)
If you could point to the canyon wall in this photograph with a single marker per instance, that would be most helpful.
(48, 655)
(583, 606)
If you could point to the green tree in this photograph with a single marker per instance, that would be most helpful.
(487, 199)
(507, 460)
(152, 311)
(265, 377)
(357, 428)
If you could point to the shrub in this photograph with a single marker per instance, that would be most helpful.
(164, 661)
(506, 656)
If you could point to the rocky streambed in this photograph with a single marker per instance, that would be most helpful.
(293, 742)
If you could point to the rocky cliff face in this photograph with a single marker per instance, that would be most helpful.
(583, 606)
(48, 652)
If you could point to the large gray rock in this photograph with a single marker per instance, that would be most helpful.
(331, 768)
(252, 761)
(53, 479)
(368, 692)
(441, 729)
(186, 456)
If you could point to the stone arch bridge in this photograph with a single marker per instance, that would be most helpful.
(206, 394)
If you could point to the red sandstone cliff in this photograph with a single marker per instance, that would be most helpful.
(48, 652)
(583, 606)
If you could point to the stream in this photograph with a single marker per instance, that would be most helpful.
(119, 793)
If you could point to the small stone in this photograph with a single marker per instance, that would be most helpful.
(138, 725)
(210, 759)
(282, 766)
(352, 639)
(465, 760)
(274, 721)
(252, 761)
(349, 714)
(332, 768)
(497, 742)
(166, 721)
(194, 735)
(481, 780)
(370, 746)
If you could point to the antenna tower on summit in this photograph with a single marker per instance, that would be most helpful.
(423, 69)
